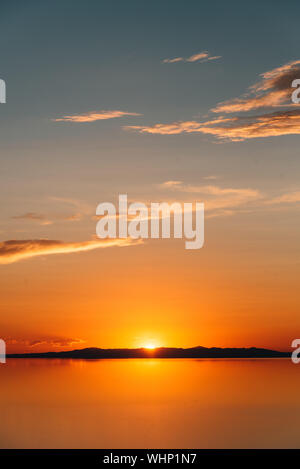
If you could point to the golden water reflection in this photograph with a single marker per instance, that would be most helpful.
(149, 403)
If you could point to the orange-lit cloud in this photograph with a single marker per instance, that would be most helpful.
(43, 220)
(54, 341)
(224, 201)
(288, 198)
(171, 184)
(17, 250)
(272, 91)
(74, 217)
(211, 177)
(217, 199)
(234, 128)
(95, 116)
(174, 128)
(31, 216)
(210, 190)
(264, 125)
(199, 57)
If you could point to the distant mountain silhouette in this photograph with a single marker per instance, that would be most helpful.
(160, 352)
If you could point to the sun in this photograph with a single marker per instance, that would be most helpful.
(149, 346)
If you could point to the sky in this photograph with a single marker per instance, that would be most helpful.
(163, 101)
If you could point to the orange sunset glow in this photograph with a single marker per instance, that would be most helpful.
(149, 225)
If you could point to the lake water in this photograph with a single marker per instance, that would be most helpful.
(149, 403)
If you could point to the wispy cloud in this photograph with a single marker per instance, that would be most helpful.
(176, 128)
(216, 198)
(273, 91)
(212, 177)
(287, 198)
(31, 216)
(171, 184)
(43, 220)
(233, 128)
(199, 57)
(53, 341)
(208, 189)
(74, 217)
(16, 250)
(225, 201)
(93, 116)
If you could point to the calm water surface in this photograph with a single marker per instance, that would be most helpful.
(149, 403)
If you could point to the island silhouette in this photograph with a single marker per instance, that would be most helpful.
(159, 352)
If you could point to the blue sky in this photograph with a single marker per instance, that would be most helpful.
(69, 57)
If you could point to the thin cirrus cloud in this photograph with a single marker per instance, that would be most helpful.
(271, 94)
(74, 217)
(272, 91)
(288, 198)
(235, 129)
(175, 128)
(42, 220)
(54, 341)
(35, 217)
(16, 250)
(95, 116)
(221, 201)
(216, 199)
(199, 57)
(209, 189)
